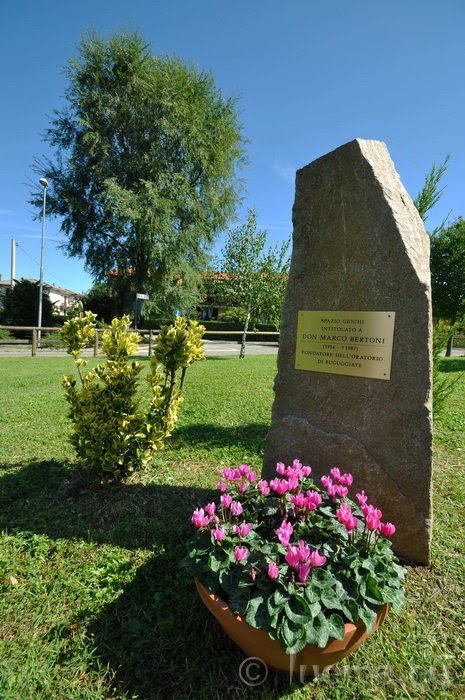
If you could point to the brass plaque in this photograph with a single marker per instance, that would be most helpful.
(357, 343)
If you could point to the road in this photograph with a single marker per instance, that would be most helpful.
(213, 348)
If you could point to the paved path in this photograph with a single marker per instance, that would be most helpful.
(213, 348)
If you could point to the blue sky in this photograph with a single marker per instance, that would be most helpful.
(311, 75)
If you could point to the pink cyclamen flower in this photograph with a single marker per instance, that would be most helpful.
(219, 533)
(243, 487)
(326, 481)
(226, 500)
(228, 474)
(281, 468)
(387, 529)
(284, 532)
(371, 510)
(273, 571)
(210, 508)
(293, 556)
(279, 486)
(240, 553)
(242, 530)
(332, 490)
(312, 500)
(292, 482)
(316, 559)
(251, 477)
(263, 487)
(306, 471)
(341, 491)
(347, 479)
(362, 498)
(343, 513)
(304, 550)
(222, 485)
(302, 572)
(372, 522)
(243, 469)
(351, 523)
(236, 508)
(336, 474)
(298, 500)
(199, 518)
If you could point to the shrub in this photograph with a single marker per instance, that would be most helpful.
(112, 434)
(442, 385)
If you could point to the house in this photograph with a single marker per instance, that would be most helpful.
(62, 299)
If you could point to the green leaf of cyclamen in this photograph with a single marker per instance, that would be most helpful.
(280, 598)
(318, 631)
(330, 600)
(299, 645)
(257, 614)
(368, 617)
(298, 610)
(350, 609)
(239, 600)
(373, 590)
(291, 634)
(336, 626)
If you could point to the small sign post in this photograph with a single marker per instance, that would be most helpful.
(140, 298)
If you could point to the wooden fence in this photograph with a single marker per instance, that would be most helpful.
(148, 336)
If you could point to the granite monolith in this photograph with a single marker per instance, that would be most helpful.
(359, 245)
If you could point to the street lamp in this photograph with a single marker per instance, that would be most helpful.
(44, 184)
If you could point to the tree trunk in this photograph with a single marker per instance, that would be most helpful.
(449, 346)
(244, 334)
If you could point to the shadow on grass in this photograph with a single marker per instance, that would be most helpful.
(60, 501)
(251, 436)
(162, 643)
(156, 637)
(452, 364)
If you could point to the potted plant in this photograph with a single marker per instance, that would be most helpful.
(289, 567)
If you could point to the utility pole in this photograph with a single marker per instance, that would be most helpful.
(13, 263)
(44, 184)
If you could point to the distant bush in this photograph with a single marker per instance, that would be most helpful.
(113, 435)
(234, 315)
(442, 384)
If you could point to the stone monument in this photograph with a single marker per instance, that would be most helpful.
(354, 383)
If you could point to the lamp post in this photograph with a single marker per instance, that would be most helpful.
(44, 184)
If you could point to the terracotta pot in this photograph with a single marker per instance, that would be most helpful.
(257, 643)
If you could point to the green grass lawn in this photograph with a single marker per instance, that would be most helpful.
(92, 604)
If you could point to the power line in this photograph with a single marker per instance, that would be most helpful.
(37, 263)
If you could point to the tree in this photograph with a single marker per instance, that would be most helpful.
(430, 193)
(448, 273)
(21, 305)
(144, 172)
(102, 301)
(253, 278)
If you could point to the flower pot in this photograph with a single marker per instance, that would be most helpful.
(257, 643)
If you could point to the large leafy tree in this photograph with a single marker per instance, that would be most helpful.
(448, 273)
(144, 171)
(252, 276)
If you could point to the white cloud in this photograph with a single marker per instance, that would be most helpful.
(286, 172)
